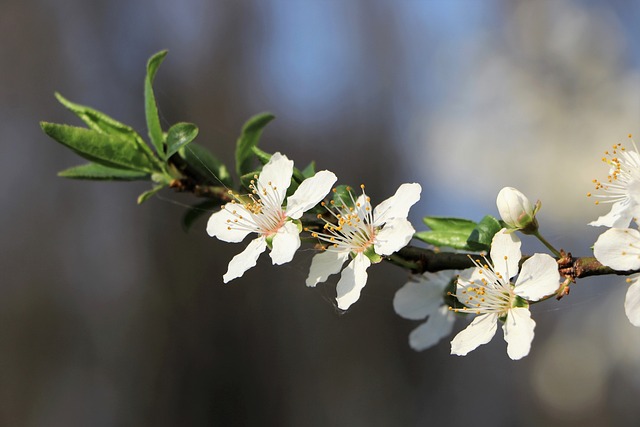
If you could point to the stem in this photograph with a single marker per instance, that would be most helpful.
(547, 244)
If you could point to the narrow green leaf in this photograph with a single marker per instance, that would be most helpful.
(95, 171)
(264, 157)
(449, 224)
(452, 239)
(310, 170)
(206, 165)
(180, 135)
(100, 122)
(481, 236)
(148, 194)
(197, 211)
(150, 106)
(108, 150)
(249, 137)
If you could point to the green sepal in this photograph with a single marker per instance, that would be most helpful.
(372, 255)
(150, 107)
(249, 137)
(95, 171)
(518, 301)
(481, 237)
(107, 150)
(343, 194)
(147, 194)
(178, 136)
(209, 168)
(196, 211)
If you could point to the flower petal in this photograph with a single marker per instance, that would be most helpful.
(309, 193)
(276, 174)
(438, 326)
(352, 280)
(620, 215)
(632, 302)
(245, 259)
(505, 253)
(285, 243)
(219, 225)
(398, 205)
(395, 235)
(518, 332)
(538, 278)
(618, 248)
(324, 265)
(422, 297)
(479, 332)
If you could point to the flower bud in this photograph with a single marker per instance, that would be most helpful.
(516, 210)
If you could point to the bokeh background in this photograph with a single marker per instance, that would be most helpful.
(111, 315)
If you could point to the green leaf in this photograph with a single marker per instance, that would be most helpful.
(343, 194)
(107, 150)
(452, 239)
(147, 194)
(481, 236)
(180, 135)
(310, 170)
(206, 165)
(150, 106)
(102, 123)
(245, 179)
(449, 224)
(263, 156)
(249, 137)
(195, 212)
(95, 171)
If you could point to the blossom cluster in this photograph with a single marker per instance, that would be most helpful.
(619, 246)
(354, 230)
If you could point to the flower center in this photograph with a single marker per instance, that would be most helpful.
(624, 175)
(491, 293)
(264, 213)
(352, 227)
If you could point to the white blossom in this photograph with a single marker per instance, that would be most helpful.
(423, 297)
(363, 234)
(262, 212)
(516, 210)
(489, 293)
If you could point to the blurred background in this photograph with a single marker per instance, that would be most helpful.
(111, 315)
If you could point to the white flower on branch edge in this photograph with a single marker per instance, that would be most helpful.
(363, 235)
(622, 186)
(262, 212)
(489, 293)
(423, 298)
(516, 210)
(619, 248)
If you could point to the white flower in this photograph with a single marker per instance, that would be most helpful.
(619, 248)
(622, 187)
(364, 235)
(262, 212)
(489, 293)
(422, 298)
(516, 210)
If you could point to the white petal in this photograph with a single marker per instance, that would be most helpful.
(352, 280)
(514, 207)
(438, 326)
(505, 253)
(285, 243)
(395, 235)
(418, 299)
(618, 248)
(218, 225)
(620, 215)
(632, 302)
(278, 172)
(479, 332)
(518, 332)
(245, 259)
(398, 205)
(309, 193)
(538, 278)
(324, 265)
